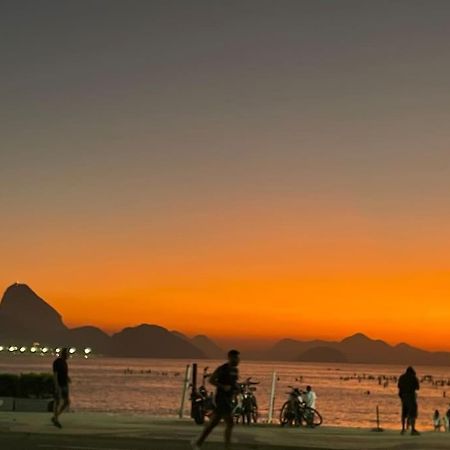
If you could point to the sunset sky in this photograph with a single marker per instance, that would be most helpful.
(258, 169)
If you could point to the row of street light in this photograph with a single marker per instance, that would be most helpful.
(36, 349)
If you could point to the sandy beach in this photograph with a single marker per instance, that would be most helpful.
(92, 431)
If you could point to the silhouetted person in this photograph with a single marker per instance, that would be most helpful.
(310, 397)
(408, 384)
(224, 378)
(437, 421)
(61, 380)
(447, 420)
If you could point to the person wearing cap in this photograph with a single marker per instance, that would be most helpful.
(225, 379)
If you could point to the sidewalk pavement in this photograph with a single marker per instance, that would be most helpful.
(141, 431)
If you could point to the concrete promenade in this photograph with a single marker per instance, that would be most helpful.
(94, 431)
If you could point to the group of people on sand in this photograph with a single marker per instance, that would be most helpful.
(225, 379)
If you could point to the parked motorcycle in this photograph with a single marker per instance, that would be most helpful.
(202, 400)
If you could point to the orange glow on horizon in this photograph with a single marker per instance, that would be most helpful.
(244, 277)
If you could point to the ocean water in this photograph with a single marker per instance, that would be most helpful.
(347, 394)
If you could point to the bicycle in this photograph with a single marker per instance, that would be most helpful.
(295, 412)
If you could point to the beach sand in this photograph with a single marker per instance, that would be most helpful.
(91, 431)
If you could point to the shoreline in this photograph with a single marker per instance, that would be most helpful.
(137, 431)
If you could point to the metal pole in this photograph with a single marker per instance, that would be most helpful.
(194, 388)
(272, 396)
(187, 376)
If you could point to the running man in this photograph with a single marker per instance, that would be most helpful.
(61, 380)
(225, 380)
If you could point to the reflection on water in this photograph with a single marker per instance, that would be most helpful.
(347, 394)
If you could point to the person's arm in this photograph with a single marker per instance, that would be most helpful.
(214, 380)
(55, 378)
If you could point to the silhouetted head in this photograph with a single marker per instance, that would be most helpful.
(308, 389)
(64, 353)
(410, 371)
(234, 357)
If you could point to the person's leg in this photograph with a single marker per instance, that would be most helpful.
(64, 406)
(65, 400)
(404, 416)
(215, 420)
(414, 410)
(412, 421)
(403, 423)
(55, 407)
(229, 423)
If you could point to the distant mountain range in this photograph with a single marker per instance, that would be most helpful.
(355, 349)
(26, 318)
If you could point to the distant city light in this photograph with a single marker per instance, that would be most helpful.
(72, 350)
(12, 348)
(33, 349)
(22, 349)
(87, 350)
(45, 350)
(58, 350)
(1, 348)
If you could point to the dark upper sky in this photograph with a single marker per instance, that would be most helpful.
(175, 118)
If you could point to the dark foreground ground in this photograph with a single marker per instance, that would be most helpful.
(97, 431)
(20, 441)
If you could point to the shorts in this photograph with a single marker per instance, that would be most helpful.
(224, 406)
(409, 406)
(62, 393)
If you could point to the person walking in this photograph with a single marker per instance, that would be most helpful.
(224, 378)
(61, 382)
(408, 384)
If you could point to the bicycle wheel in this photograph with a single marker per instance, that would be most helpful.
(312, 417)
(198, 415)
(287, 416)
(255, 415)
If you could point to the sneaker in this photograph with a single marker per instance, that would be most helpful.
(415, 433)
(194, 445)
(56, 422)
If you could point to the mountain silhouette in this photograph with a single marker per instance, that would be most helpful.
(208, 347)
(203, 343)
(357, 348)
(152, 341)
(24, 316)
(89, 336)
